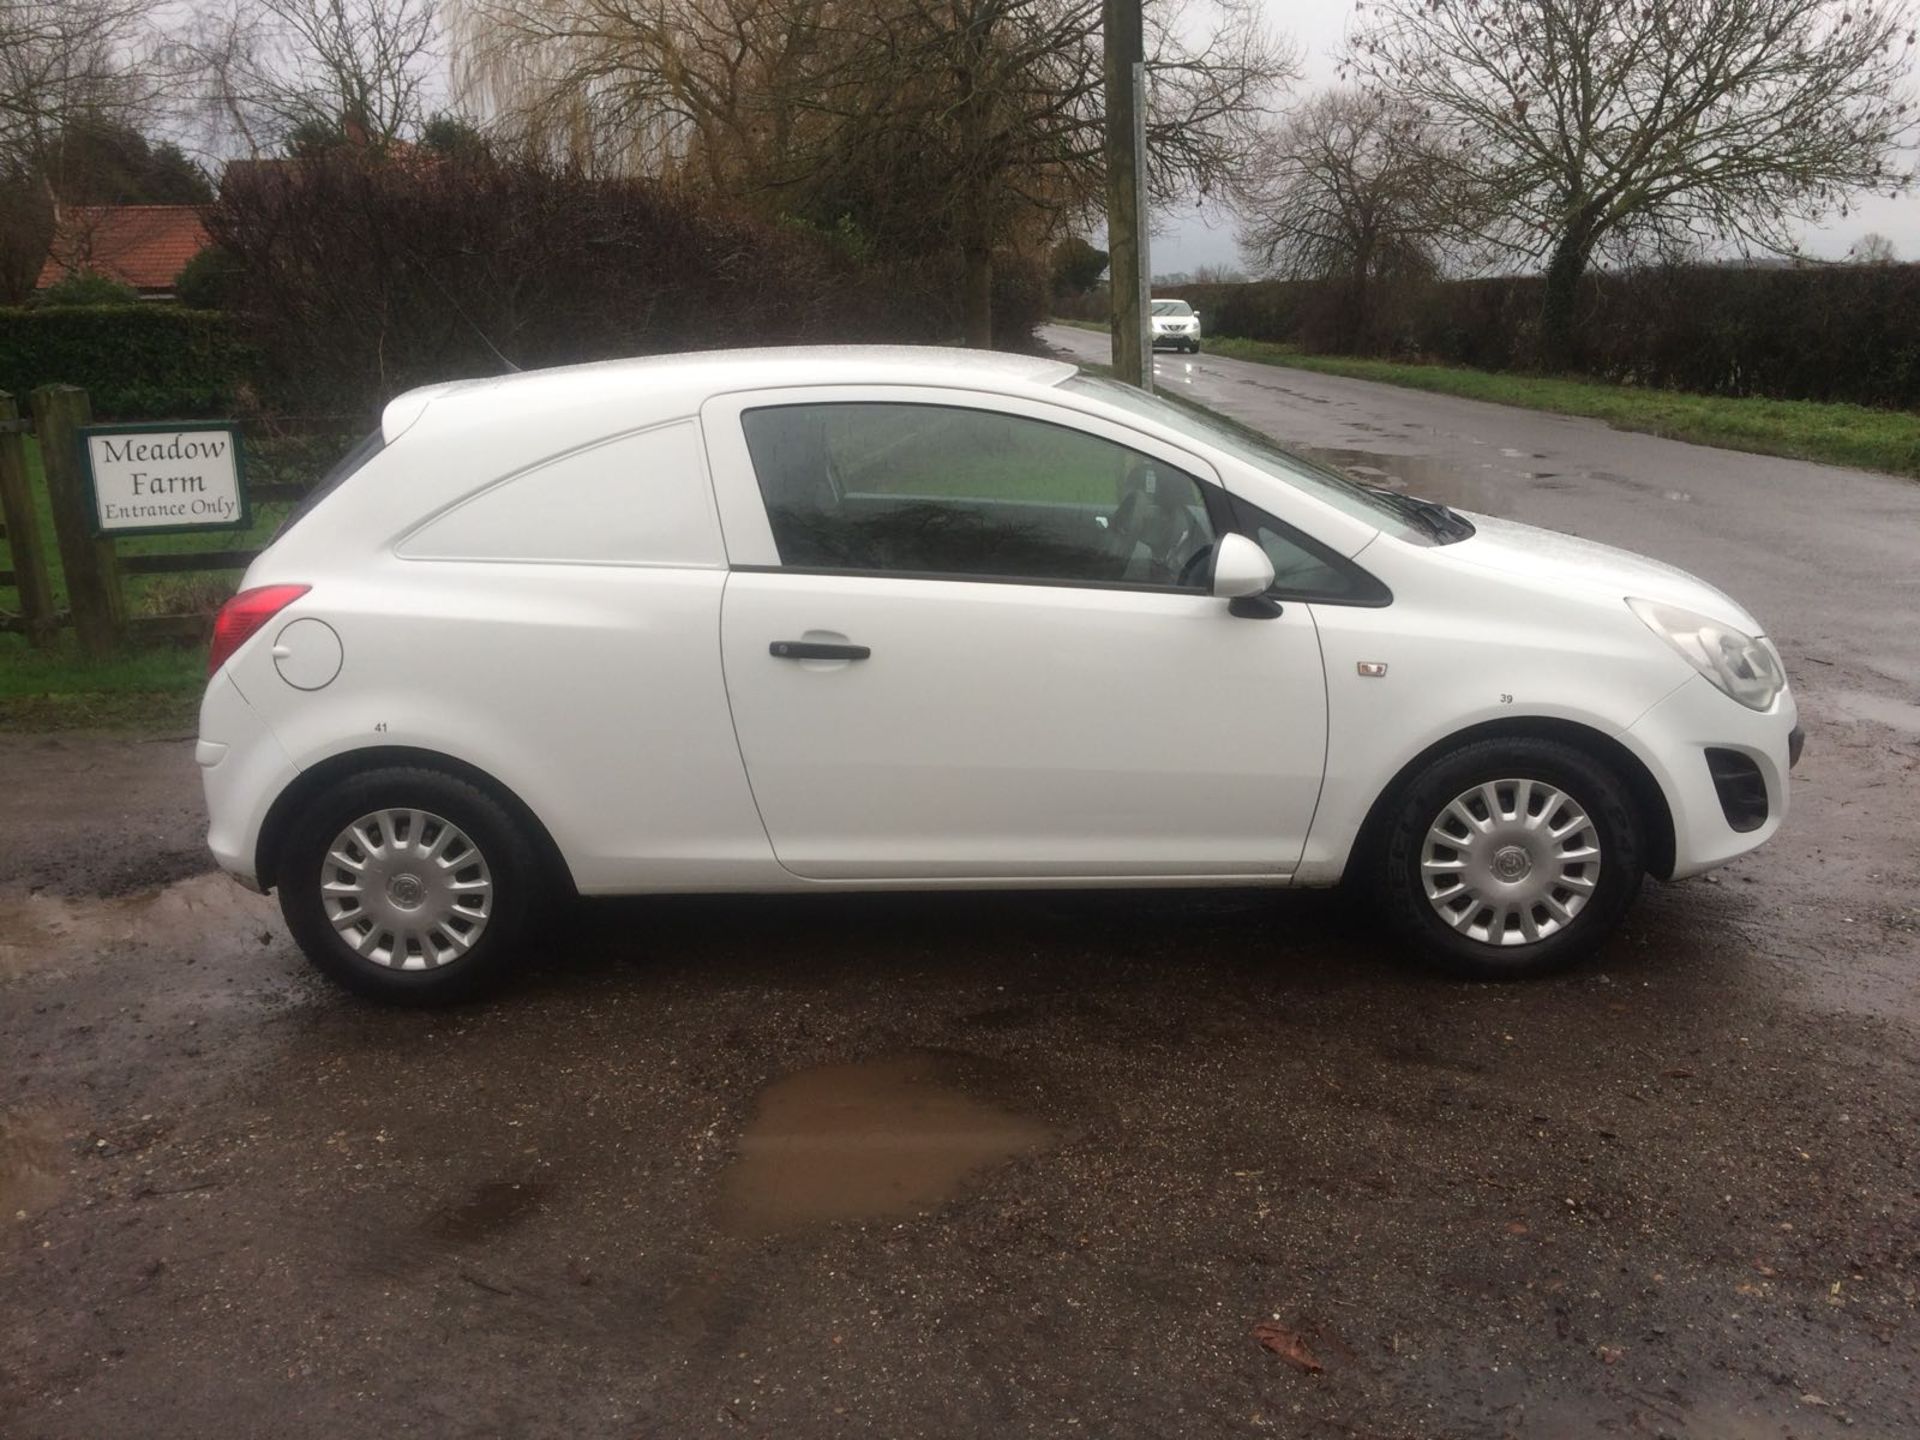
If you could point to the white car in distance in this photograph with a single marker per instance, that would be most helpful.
(1176, 326)
(875, 618)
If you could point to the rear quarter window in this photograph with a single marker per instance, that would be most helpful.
(639, 499)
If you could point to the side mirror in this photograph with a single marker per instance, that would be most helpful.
(1241, 575)
(1240, 568)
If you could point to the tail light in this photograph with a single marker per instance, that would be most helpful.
(244, 614)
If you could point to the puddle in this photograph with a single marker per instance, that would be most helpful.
(41, 930)
(1486, 491)
(879, 1139)
(32, 1172)
(1880, 709)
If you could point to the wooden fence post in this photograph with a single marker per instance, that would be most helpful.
(92, 570)
(23, 529)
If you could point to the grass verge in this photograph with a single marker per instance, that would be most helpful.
(153, 688)
(1856, 435)
(1798, 429)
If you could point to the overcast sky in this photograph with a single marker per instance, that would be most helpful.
(1189, 239)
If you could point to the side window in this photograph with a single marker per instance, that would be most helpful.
(639, 499)
(941, 490)
(1303, 568)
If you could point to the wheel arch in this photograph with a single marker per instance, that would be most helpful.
(318, 778)
(1656, 815)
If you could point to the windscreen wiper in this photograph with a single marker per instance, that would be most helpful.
(1443, 522)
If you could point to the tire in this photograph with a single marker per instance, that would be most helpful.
(1519, 902)
(445, 885)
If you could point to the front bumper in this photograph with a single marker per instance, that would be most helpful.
(1722, 768)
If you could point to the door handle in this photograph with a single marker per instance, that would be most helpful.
(815, 650)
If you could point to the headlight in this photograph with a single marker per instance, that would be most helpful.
(1745, 667)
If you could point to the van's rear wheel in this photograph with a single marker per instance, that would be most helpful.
(407, 885)
(1512, 858)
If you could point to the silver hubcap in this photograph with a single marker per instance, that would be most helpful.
(1510, 862)
(406, 889)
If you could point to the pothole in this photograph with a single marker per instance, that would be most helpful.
(1879, 709)
(38, 930)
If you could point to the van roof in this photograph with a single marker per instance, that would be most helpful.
(717, 371)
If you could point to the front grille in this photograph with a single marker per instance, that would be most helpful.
(1741, 787)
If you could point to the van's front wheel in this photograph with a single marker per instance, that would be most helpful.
(407, 885)
(1512, 858)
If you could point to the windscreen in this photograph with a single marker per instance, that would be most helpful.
(1385, 509)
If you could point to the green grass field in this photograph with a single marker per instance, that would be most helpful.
(1796, 429)
(152, 687)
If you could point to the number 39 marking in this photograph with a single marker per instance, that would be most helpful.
(1504, 700)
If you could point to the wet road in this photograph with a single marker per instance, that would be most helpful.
(1012, 1165)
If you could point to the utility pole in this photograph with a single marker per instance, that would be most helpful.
(1128, 269)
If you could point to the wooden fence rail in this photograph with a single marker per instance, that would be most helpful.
(91, 566)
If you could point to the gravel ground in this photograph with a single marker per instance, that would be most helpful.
(1152, 1164)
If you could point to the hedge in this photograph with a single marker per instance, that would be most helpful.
(1833, 333)
(353, 279)
(136, 362)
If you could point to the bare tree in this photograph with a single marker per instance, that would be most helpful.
(1872, 248)
(278, 72)
(937, 125)
(1597, 122)
(712, 91)
(1008, 98)
(66, 67)
(1356, 188)
(65, 62)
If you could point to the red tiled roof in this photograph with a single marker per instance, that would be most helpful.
(139, 245)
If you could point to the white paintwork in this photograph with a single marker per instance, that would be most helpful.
(544, 577)
(307, 653)
(243, 773)
(1240, 567)
(1477, 641)
(648, 494)
(1014, 730)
